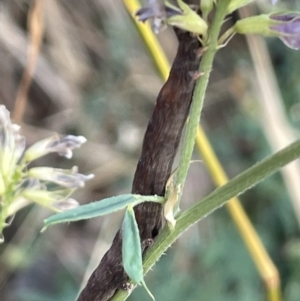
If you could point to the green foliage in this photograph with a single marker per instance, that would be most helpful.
(100, 208)
(46, 186)
(215, 200)
(218, 267)
(131, 249)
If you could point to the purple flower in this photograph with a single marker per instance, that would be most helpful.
(288, 27)
(68, 178)
(184, 17)
(157, 12)
(54, 144)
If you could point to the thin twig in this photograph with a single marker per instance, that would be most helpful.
(36, 29)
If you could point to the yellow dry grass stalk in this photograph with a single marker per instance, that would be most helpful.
(36, 30)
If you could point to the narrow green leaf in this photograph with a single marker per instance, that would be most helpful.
(131, 247)
(219, 197)
(147, 290)
(189, 20)
(99, 208)
(132, 251)
(213, 201)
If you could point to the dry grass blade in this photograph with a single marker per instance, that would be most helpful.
(36, 29)
(275, 124)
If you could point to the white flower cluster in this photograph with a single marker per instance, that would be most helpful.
(21, 185)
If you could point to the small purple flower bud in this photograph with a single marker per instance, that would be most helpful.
(284, 26)
(54, 144)
(156, 10)
(67, 144)
(288, 27)
(158, 13)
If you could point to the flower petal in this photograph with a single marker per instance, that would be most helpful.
(41, 148)
(12, 144)
(289, 28)
(158, 13)
(63, 177)
(67, 144)
(54, 144)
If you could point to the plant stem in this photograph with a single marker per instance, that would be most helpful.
(199, 93)
(218, 197)
(196, 106)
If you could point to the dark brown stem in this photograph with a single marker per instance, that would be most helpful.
(160, 146)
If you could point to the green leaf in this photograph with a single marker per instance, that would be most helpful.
(131, 249)
(219, 197)
(213, 201)
(100, 208)
(235, 4)
(189, 20)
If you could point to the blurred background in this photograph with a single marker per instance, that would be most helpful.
(94, 77)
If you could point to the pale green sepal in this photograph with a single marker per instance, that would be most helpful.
(18, 203)
(235, 4)
(40, 148)
(143, 283)
(171, 204)
(2, 185)
(41, 197)
(170, 5)
(131, 249)
(260, 24)
(100, 208)
(206, 6)
(189, 20)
